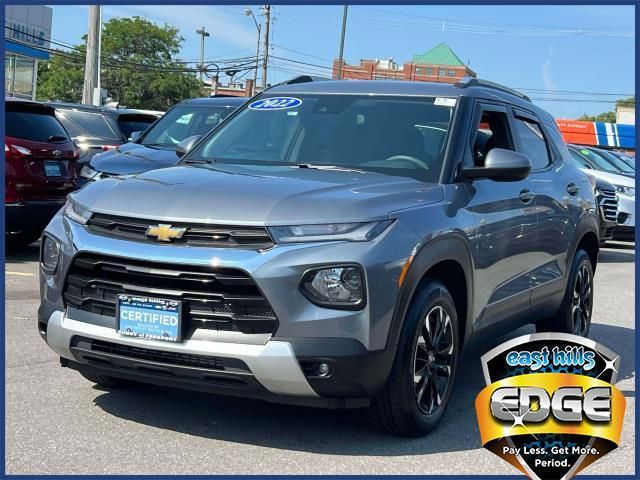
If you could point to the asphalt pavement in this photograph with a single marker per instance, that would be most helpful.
(59, 423)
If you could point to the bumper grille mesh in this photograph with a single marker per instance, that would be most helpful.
(213, 298)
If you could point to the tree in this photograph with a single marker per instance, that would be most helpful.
(610, 117)
(139, 67)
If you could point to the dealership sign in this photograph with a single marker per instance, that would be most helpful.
(550, 407)
(28, 29)
(598, 134)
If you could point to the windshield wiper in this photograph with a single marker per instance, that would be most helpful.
(336, 168)
(56, 138)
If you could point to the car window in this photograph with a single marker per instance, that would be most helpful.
(532, 143)
(392, 135)
(134, 123)
(491, 132)
(185, 121)
(89, 124)
(615, 161)
(36, 127)
(582, 162)
(597, 161)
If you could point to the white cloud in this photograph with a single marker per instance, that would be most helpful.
(546, 71)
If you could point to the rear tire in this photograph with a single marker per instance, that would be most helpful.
(418, 389)
(574, 315)
(106, 381)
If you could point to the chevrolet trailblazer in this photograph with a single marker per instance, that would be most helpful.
(333, 243)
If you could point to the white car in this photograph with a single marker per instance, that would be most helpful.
(625, 187)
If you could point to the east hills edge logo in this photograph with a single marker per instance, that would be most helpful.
(549, 407)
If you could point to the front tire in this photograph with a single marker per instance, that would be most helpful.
(418, 389)
(574, 315)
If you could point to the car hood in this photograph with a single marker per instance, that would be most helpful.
(256, 196)
(133, 158)
(612, 177)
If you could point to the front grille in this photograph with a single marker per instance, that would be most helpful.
(198, 235)
(223, 299)
(608, 203)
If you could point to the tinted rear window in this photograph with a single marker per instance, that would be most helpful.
(32, 126)
(88, 124)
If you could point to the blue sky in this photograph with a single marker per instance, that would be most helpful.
(521, 46)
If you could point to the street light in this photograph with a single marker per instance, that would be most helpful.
(203, 32)
(249, 13)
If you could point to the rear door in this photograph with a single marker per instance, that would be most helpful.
(558, 188)
(506, 217)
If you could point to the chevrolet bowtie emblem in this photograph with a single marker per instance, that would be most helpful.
(165, 233)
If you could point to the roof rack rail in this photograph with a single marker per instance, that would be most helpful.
(477, 82)
(304, 79)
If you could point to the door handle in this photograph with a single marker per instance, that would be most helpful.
(527, 195)
(573, 189)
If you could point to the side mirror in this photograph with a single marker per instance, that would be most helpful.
(187, 144)
(135, 136)
(500, 164)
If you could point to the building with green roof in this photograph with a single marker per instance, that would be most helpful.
(439, 64)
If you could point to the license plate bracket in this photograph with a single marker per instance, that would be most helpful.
(149, 317)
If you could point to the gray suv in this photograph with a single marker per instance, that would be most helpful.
(332, 243)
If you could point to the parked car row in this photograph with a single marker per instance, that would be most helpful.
(609, 167)
(54, 148)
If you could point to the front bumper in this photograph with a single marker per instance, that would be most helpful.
(272, 371)
(353, 343)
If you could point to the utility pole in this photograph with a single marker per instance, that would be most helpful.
(267, 21)
(91, 61)
(344, 30)
(249, 13)
(99, 68)
(203, 32)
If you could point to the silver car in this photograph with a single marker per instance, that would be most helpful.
(333, 243)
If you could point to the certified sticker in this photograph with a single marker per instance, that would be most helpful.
(275, 103)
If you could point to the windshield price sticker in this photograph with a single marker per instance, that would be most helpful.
(275, 103)
(445, 102)
(550, 407)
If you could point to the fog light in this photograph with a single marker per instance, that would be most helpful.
(50, 253)
(335, 287)
(323, 369)
(317, 369)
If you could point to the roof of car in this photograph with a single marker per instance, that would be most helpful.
(102, 109)
(469, 87)
(217, 101)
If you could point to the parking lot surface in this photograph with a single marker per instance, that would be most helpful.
(57, 422)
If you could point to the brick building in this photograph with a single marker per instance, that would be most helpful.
(440, 64)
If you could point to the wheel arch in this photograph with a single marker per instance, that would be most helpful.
(447, 259)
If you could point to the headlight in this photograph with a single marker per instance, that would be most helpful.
(629, 191)
(353, 232)
(50, 253)
(335, 287)
(88, 172)
(75, 212)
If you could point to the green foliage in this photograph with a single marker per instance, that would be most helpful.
(610, 117)
(139, 68)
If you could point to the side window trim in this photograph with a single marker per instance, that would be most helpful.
(523, 115)
(479, 108)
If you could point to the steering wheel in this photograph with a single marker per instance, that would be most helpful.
(417, 162)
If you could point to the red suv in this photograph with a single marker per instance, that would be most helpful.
(40, 168)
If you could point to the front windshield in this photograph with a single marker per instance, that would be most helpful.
(616, 162)
(182, 122)
(402, 136)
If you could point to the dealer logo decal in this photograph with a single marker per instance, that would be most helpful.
(549, 407)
